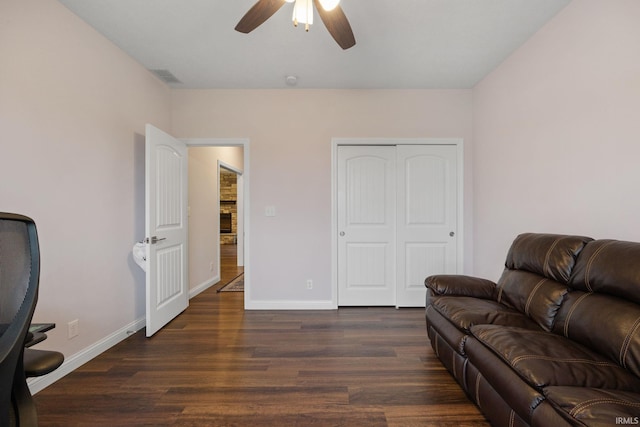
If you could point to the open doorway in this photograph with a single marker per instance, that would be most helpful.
(230, 203)
(211, 263)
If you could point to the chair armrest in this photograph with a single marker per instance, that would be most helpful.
(460, 285)
(41, 362)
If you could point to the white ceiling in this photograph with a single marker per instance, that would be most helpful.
(399, 43)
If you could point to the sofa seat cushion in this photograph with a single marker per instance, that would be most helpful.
(464, 312)
(483, 363)
(595, 407)
(543, 359)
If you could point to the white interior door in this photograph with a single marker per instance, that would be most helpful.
(366, 225)
(427, 218)
(167, 293)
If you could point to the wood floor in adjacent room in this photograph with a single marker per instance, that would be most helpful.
(218, 365)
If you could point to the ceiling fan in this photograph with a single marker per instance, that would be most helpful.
(330, 13)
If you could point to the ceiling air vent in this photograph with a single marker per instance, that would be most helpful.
(165, 76)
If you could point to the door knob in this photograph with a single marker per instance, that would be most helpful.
(342, 233)
(452, 234)
(154, 239)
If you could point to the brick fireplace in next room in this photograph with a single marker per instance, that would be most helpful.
(228, 207)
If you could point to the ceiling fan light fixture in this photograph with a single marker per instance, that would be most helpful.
(335, 20)
(303, 13)
(328, 5)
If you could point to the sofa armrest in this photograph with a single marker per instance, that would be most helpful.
(460, 285)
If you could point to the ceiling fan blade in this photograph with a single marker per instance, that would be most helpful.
(337, 24)
(260, 12)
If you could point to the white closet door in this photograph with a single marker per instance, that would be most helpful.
(426, 218)
(366, 225)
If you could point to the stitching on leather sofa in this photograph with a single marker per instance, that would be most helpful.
(465, 386)
(532, 294)
(589, 403)
(624, 350)
(546, 268)
(453, 364)
(519, 359)
(587, 271)
(500, 285)
(477, 388)
(571, 310)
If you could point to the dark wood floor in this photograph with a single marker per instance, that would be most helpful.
(218, 365)
(229, 269)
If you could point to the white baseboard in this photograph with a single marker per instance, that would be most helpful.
(72, 363)
(203, 286)
(290, 305)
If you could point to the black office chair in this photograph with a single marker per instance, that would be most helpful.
(19, 277)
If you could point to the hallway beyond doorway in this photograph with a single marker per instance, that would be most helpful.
(229, 268)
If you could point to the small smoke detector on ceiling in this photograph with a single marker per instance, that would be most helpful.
(291, 80)
(166, 76)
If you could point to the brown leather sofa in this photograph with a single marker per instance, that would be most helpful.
(555, 342)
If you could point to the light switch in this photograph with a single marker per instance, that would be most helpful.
(270, 211)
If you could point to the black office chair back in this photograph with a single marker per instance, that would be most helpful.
(19, 276)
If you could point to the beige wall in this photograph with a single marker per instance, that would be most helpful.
(72, 114)
(556, 133)
(290, 135)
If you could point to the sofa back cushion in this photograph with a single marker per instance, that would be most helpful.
(604, 311)
(537, 270)
(548, 255)
(609, 267)
(606, 324)
(536, 296)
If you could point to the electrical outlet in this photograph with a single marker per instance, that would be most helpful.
(211, 266)
(73, 328)
(309, 284)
